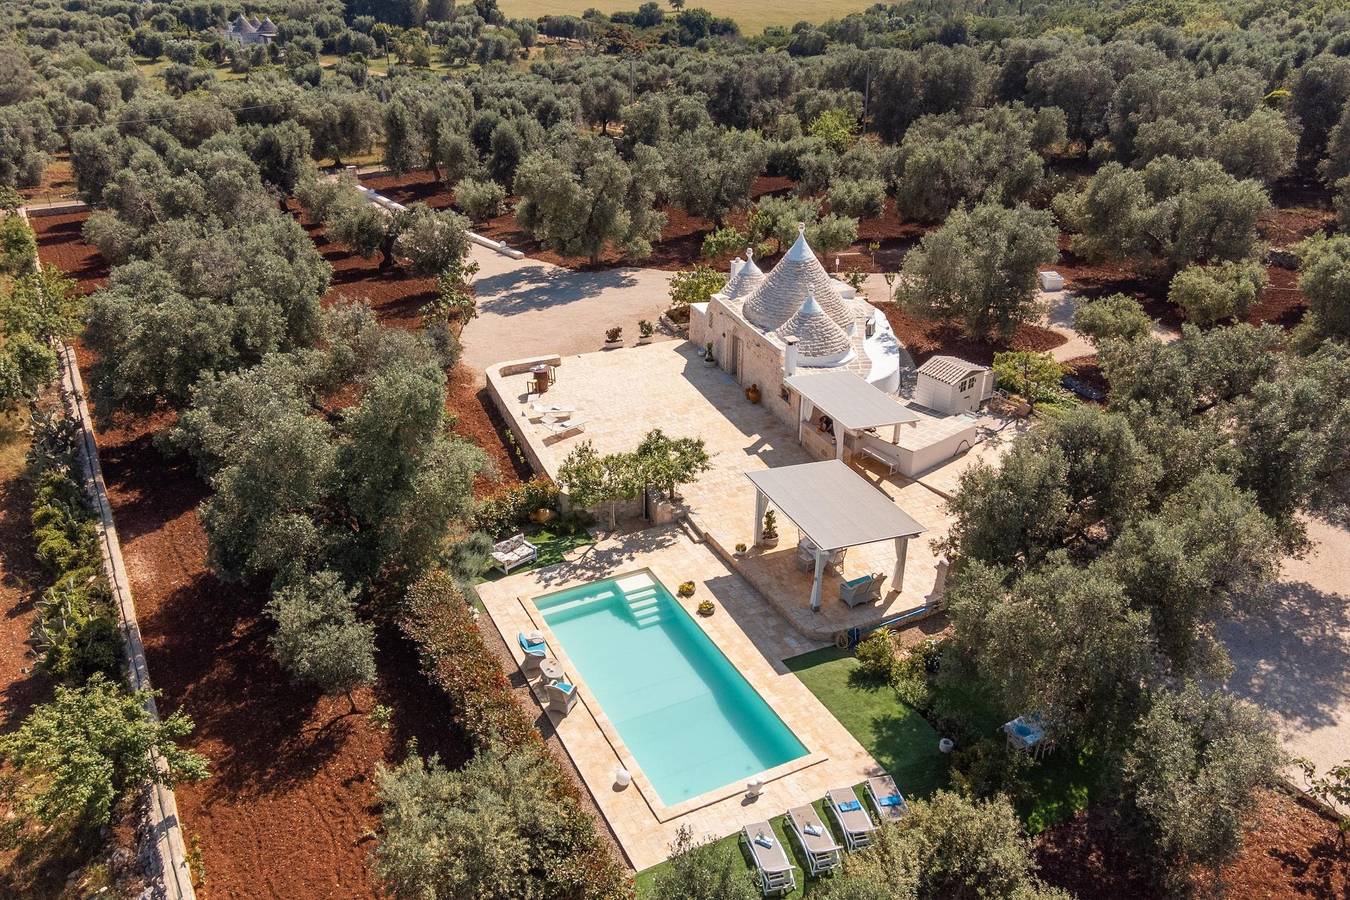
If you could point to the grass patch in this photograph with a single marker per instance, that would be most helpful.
(806, 886)
(898, 737)
(553, 549)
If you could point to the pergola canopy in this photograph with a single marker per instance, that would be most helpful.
(833, 505)
(850, 400)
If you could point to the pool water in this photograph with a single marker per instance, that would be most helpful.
(690, 719)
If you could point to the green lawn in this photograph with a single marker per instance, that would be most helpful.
(898, 738)
(552, 548)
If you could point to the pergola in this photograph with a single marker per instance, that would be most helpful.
(836, 508)
(851, 402)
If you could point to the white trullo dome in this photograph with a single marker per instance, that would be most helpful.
(785, 289)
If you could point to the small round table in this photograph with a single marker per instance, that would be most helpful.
(551, 669)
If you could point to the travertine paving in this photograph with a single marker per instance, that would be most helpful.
(623, 394)
(753, 637)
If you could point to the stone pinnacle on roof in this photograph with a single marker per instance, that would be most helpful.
(818, 336)
(268, 26)
(785, 288)
(746, 279)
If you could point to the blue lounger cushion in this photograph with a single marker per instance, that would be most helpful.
(564, 687)
(849, 806)
(891, 800)
(530, 647)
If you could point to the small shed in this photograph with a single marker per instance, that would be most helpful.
(949, 385)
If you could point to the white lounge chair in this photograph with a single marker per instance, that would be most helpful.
(863, 589)
(821, 850)
(886, 798)
(535, 653)
(562, 696)
(540, 411)
(559, 430)
(512, 552)
(776, 874)
(853, 819)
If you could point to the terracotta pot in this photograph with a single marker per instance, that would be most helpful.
(541, 515)
(752, 393)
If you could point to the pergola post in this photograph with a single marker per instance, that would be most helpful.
(821, 556)
(901, 550)
(761, 507)
(838, 441)
(805, 410)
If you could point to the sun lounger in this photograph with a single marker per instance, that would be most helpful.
(821, 850)
(776, 874)
(512, 552)
(562, 696)
(535, 653)
(858, 591)
(541, 411)
(853, 819)
(559, 430)
(886, 798)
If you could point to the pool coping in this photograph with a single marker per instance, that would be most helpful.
(662, 812)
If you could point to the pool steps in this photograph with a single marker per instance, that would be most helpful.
(645, 605)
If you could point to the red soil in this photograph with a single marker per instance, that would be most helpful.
(290, 804)
(1300, 207)
(1291, 853)
(925, 338)
(60, 245)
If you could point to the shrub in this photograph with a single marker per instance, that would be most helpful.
(724, 241)
(1117, 317)
(695, 286)
(480, 198)
(75, 756)
(454, 657)
(318, 639)
(876, 655)
(911, 673)
(1208, 294)
(17, 245)
(507, 511)
(704, 869)
(497, 828)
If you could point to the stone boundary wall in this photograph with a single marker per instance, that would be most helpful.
(174, 876)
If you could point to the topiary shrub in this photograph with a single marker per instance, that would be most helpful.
(876, 656)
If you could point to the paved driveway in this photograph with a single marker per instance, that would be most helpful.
(1295, 660)
(527, 307)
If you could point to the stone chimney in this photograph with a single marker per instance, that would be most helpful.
(789, 357)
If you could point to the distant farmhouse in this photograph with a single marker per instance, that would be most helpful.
(246, 31)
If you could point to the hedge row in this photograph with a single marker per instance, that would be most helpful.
(76, 626)
(508, 510)
(456, 659)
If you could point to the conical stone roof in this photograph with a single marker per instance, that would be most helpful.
(747, 278)
(784, 289)
(818, 336)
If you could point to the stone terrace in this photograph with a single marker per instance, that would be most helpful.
(622, 394)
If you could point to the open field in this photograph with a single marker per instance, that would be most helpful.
(752, 15)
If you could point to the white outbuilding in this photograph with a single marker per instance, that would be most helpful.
(949, 385)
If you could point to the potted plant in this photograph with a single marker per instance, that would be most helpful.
(686, 589)
(705, 608)
(614, 337)
(740, 549)
(752, 393)
(708, 355)
(769, 537)
(645, 331)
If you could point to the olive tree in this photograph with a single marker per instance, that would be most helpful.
(1324, 277)
(981, 267)
(1173, 211)
(712, 170)
(1210, 293)
(584, 200)
(318, 638)
(1115, 317)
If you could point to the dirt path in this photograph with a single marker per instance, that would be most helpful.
(1294, 659)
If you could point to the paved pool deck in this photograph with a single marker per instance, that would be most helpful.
(744, 627)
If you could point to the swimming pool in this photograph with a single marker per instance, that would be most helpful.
(690, 719)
